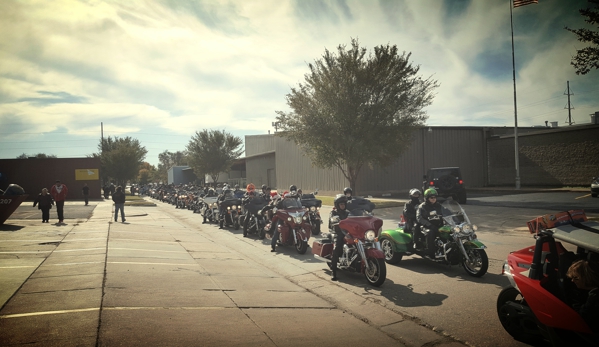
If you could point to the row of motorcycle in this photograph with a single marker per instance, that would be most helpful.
(367, 248)
(296, 218)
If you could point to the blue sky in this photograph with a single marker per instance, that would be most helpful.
(160, 70)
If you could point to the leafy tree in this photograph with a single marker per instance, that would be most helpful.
(146, 173)
(212, 152)
(39, 155)
(121, 158)
(587, 58)
(355, 110)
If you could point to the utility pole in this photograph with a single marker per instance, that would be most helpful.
(517, 160)
(570, 108)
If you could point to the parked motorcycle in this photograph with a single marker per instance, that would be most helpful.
(313, 206)
(256, 217)
(456, 242)
(537, 304)
(231, 208)
(209, 209)
(292, 223)
(362, 251)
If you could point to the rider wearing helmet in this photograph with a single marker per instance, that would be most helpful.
(292, 190)
(347, 191)
(227, 193)
(430, 216)
(340, 211)
(409, 210)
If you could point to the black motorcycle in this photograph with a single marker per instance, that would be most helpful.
(230, 209)
(313, 206)
(256, 219)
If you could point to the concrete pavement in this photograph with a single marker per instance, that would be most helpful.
(156, 281)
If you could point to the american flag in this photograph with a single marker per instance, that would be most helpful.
(518, 3)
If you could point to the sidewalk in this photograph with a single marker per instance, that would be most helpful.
(156, 281)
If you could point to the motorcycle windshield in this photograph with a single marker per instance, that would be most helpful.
(454, 214)
(357, 226)
(291, 203)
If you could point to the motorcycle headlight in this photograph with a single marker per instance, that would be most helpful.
(298, 220)
(474, 227)
(305, 218)
(234, 207)
(313, 208)
(289, 219)
(370, 235)
(467, 229)
(456, 229)
(228, 207)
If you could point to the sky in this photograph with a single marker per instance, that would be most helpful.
(161, 70)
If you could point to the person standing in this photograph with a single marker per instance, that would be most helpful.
(44, 202)
(59, 192)
(119, 203)
(85, 191)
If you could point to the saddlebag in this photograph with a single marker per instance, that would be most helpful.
(322, 248)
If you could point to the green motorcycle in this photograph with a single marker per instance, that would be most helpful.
(455, 244)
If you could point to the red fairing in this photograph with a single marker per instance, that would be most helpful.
(284, 232)
(375, 253)
(357, 226)
(548, 309)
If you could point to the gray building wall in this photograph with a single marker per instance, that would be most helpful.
(431, 147)
(180, 175)
(259, 144)
(294, 167)
(258, 168)
(553, 157)
(548, 157)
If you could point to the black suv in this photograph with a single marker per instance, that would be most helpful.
(447, 181)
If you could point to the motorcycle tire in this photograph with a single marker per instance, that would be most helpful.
(236, 225)
(391, 257)
(316, 228)
(478, 264)
(301, 246)
(378, 271)
(521, 327)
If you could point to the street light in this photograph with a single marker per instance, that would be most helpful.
(276, 125)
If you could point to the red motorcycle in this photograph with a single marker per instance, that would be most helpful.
(362, 251)
(292, 222)
(537, 305)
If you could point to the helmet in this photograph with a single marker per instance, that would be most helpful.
(415, 193)
(251, 187)
(430, 193)
(340, 199)
(292, 188)
(347, 190)
(264, 186)
(237, 186)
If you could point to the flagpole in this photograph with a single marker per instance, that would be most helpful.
(515, 104)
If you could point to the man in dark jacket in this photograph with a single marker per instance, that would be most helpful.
(409, 215)
(119, 203)
(340, 212)
(430, 217)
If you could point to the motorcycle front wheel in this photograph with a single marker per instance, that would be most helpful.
(521, 327)
(316, 228)
(391, 256)
(378, 271)
(301, 246)
(478, 263)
